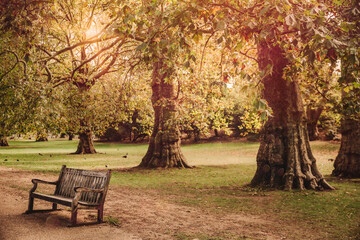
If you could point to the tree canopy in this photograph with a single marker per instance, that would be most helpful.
(167, 67)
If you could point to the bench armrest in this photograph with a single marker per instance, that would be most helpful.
(36, 181)
(79, 190)
(42, 181)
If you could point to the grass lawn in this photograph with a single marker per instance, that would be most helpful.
(218, 183)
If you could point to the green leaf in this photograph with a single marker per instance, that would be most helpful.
(311, 56)
(262, 104)
(338, 2)
(252, 25)
(278, 9)
(345, 27)
(263, 116)
(347, 89)
(328, 37)
(197, 37)
(141, 47)
(126, 9)
(356, 85)
(290, 20)
(264, 10)
(239, 45)
(220, 26)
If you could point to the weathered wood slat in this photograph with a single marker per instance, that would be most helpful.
(60, 200)
(84, 196)
(98, 184)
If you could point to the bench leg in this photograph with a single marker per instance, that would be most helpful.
(73, 216)
(31, 205)
(100, 215)
(54, 206)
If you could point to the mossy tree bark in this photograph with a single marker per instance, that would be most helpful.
(284, 159)
(313, 115)
(347, 162)
(3, 141)
(86, 144)
(164, 145)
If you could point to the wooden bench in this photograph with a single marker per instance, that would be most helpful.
(75, 188)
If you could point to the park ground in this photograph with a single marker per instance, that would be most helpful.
(210, 201)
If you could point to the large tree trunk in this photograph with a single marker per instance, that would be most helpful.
(284, 159)
(164, 145)
(313, 115)
(71, 136)
(3, 141)
(347, 162)
(86, 145)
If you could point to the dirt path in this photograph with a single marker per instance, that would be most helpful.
(141, 216)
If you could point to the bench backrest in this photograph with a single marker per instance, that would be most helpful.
(70, 178)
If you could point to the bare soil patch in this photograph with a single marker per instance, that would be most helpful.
(142, 215)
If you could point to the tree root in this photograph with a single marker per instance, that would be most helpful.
(164, 154)
(285, 160)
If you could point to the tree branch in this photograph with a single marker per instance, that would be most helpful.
(80, 44)
(246, 55)
(47, 52)
(131, 68)
(61, 81)
(202, 56)
(113, 60)
(17, 62)
(97, 54)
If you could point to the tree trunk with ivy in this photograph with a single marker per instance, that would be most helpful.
(164, 145)
(284, 159)
(347, 162)
(3, 141)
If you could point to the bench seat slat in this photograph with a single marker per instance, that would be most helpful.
(59, 199)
